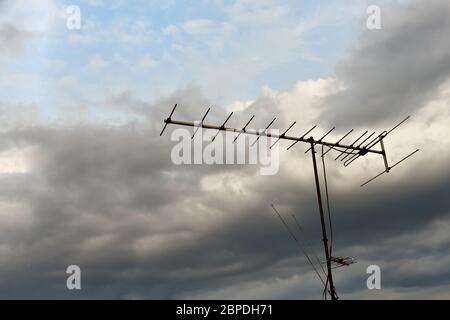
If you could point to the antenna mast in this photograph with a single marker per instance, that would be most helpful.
(348, 152)
(322, 222)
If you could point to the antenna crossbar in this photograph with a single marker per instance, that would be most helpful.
(269, 134)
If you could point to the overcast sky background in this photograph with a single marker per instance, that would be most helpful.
(85, 178)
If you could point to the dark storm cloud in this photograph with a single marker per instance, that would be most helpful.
(91, 183)
(393, 71)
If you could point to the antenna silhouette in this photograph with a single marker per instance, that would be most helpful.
(348, 153)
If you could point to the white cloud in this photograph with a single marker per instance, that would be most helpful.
(198, 26)
(96, 3)
(251, 11)
(239, 105)
(138, 33)
(23, 23)
(31, 16)
(77, 38)
(68, 81)
(171, 30)
(97, 62)
(147, 62)
(16, 161)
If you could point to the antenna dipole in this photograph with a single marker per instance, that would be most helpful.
(348, 152)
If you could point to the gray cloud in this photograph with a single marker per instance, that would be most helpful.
(12, 39)
(108, 198)
(101, 197)
(22, 25)
(393, 71)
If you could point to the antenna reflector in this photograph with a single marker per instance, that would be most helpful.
(370, 180)
(409, 155)
(390, 168)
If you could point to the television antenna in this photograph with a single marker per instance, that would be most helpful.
(348, 153)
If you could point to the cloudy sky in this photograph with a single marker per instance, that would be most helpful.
(86, 180)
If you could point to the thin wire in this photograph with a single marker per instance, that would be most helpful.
(324, 293)
(346, 152)
(329, 216)
(298, 243)
(328, 203)
(308, 245)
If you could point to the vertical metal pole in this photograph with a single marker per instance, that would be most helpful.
(386, 165)
(322, 221)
